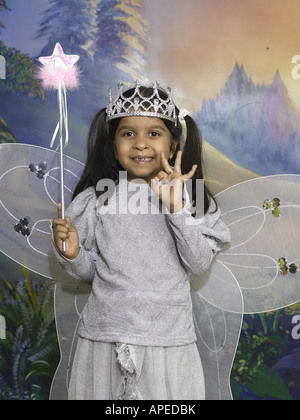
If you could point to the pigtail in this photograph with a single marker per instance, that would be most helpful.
(193, 154)
(100, 161)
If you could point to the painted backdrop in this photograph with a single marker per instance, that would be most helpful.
(232, 64)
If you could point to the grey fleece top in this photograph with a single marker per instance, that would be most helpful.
(139, 266)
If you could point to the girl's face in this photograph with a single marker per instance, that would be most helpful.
(139, 142)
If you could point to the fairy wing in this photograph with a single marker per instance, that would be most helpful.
(257, 273)
(70, 299)
(29, 193)
(264, 219)
(218, 325)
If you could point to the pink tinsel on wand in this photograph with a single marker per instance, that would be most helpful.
(53, 78)
(59, 70)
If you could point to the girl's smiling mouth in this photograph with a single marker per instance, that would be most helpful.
(142, 160)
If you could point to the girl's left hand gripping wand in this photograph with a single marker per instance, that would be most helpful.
(60, 73)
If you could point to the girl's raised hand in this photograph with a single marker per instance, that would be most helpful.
(63, 231)
(171, 192)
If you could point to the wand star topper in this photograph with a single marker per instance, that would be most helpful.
(59, 70)
(60, 73)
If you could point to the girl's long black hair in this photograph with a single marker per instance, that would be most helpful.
(101, 162)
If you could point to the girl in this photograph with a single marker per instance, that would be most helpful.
(137, 338)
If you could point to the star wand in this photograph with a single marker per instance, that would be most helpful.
(60, 73)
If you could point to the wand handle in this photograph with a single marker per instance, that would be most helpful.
(61, 147)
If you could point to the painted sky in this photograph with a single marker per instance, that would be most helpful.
(22, 25)
(195, 43)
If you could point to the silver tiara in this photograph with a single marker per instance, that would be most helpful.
(139, 105)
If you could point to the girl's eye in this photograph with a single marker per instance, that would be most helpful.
(128, 134)
(154, 134)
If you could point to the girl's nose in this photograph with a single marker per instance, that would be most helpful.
(140, 147)
(141, 143)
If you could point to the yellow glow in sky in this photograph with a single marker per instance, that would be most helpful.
(201, 40)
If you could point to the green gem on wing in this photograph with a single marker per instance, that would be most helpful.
(274, 205)
(285, 269)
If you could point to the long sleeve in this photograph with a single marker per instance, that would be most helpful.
(198, 240)
(82, 213)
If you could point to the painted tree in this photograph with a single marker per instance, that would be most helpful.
(73, 24)
(20, 71)
(122, 35)
(3, 6)
(108, 30)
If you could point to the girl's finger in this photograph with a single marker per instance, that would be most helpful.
(190, 174)
(155, 186)
(165, 164)
(59, 210)
(62, 235)
(57, 222)
(161, 175)
(177, 165)
(61, 228)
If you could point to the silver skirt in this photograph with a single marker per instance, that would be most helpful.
(116, 371)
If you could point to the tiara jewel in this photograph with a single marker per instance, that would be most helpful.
(140, 105)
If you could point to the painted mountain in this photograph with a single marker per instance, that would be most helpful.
(256, 126)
